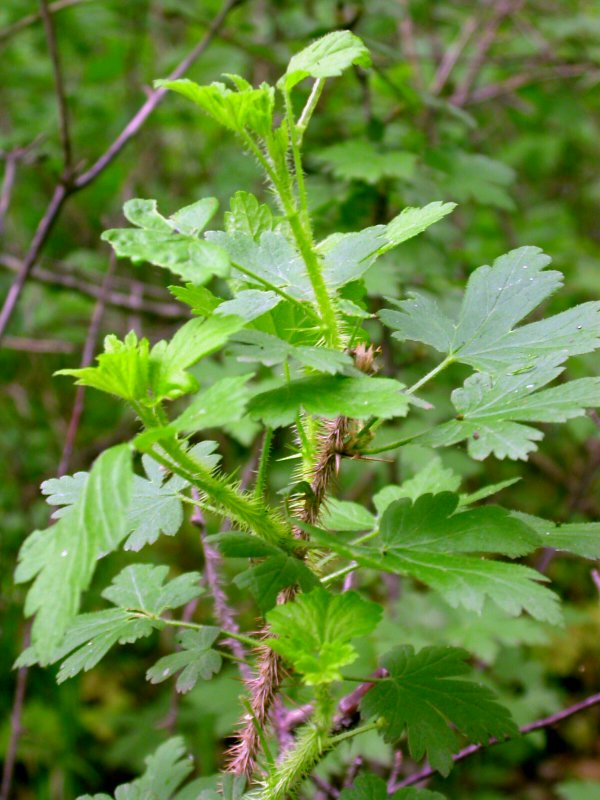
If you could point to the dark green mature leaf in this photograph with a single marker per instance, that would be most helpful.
(196, 659)
(223, 402)
(496, 299)
(62, 559)
(431, 525)
(165, 771)
(330, 396)
(137, 588)
(432, 479)
(580, 538)
(249, 304)
(172, 243)
(342, 515)
(326, 58)
(266, 578)
(372, 787)
(424, 696)
(252, 345)
(461, 579)
(315, 630)
(492, 407)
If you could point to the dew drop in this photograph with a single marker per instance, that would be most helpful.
(530, 386)
(64, 553)
(580, 327)
(525, 266)
(89, 644)
(166, 672)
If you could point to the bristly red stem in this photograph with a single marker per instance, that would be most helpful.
(539, 724)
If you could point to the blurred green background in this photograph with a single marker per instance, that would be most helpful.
(494, 105)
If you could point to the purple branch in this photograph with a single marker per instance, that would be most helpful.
(539, 724)
(15, 724)
(59, 87)
(63, 190)
(86, 359)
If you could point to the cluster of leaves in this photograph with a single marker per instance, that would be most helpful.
(267, 307)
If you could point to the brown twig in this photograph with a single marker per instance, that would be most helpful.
(31, 19)
(15, 724)
(86, 359)
(37, 345)
(452, 55)
(64, 190)
(494, 90)
(407, 37)
(486, 39)
(59, 88)
(113, 298)
(539, 724)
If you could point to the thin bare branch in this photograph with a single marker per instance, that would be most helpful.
(61, 191)
(500, 11)
(59, 87)
(452, 55)
(31, 19)
(494, 90)
(407, 37)
(27, 345)
(546, 722)
(15, 724)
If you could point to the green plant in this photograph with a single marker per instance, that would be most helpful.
(294, 309)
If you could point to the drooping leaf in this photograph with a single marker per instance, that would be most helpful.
(342, 515)
(371, 787)
(330, 396)
(165, 771)
(252, 345)
(195, 659)
(62, 558)
(314, 632)
(492, 408)
(496, 299)
(237, 111)
(142, 587)
(326, 58)
(249, 304)
(424, 696)
(172, 243)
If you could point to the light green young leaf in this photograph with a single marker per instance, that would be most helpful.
(580, 538)
(238, 111)
(253, 345)
(248, 216)
(496, 299)
(433, 673)
(165, 771)
(172, 243)
(413, 221)
(579, 790)
(326, 58)
(195, 659)
(315, 630)
(341, 515)
(62, 558)
(491, 409)
(223, 402)
(371, 787)
(330, 396)
(200, 299)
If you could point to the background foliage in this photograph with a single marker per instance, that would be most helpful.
(492, 105)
